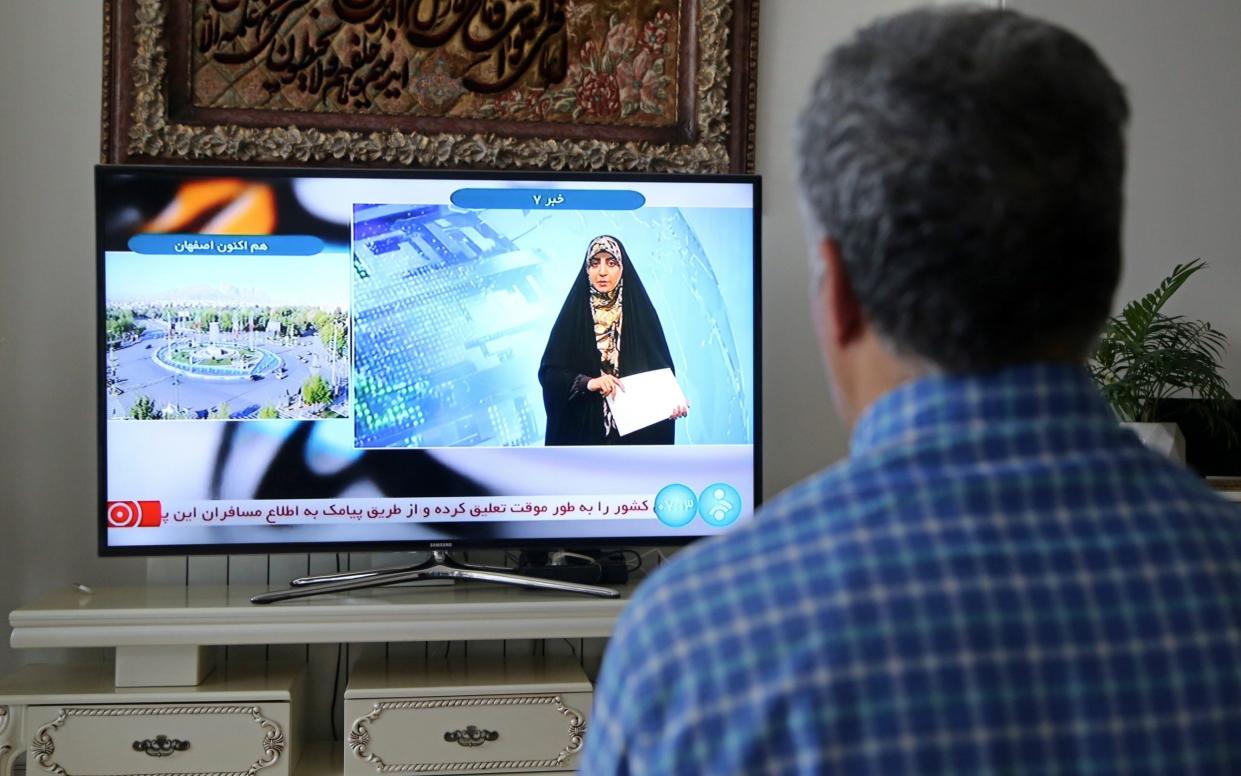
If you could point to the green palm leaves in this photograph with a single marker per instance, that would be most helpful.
(1145, 356)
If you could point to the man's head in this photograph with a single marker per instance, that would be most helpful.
(962, 171)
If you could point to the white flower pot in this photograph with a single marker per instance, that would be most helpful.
(1165, 438)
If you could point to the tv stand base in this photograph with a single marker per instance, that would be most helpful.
(438, 566)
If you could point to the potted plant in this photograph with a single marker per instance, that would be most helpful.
(1145, 356)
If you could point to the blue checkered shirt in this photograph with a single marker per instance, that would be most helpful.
(999, 579)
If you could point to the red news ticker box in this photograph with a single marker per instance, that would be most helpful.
(134, 514)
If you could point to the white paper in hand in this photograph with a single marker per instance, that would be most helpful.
(648, 398)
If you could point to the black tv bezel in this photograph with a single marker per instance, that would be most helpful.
(102, 171)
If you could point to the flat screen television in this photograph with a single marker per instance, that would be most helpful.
(353, 360)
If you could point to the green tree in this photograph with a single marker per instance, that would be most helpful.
(144, 409)
(334, 333)
(220, 413)
(269, 412)
(316, 391)
(300, 321)
(119, 323)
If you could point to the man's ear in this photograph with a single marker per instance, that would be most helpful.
(844, 311)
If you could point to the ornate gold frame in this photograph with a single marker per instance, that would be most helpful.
(145, 119)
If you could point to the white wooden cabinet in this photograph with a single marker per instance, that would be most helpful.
(491, 715)
(72, 720)
(165, 682)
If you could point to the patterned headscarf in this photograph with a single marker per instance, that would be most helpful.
(607, 310)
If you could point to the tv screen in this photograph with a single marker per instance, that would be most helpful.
(292, 360)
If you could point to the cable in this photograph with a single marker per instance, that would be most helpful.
(657, 552)
(228, 580)
(336, 673)
(267, 647)
(335, 687)
(637, 566)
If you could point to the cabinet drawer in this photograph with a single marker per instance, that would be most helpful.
(214, 738)
(466, 734)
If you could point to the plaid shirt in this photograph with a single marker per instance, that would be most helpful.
(999, 579)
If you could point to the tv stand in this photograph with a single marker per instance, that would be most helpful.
(171, 678)
(439, 566)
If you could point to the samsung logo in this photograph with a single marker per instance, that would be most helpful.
(441, 544)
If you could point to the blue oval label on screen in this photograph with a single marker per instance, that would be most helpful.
(675, 505)
(719, 504)
(548, 199)
(226, 244)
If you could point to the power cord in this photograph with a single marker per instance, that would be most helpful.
(335, 687)
(657, 552)
(335, 675)
(637, 560)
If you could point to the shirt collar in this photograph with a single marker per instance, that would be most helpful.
(940, 403)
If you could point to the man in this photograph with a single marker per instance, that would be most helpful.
(999, 579)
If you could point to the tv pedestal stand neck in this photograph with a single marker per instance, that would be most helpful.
(438, 566)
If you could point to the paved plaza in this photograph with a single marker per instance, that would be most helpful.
(133, 372)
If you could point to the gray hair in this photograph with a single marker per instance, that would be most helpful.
(969, 164)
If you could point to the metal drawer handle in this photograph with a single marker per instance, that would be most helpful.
(471, 736)
(162, 746)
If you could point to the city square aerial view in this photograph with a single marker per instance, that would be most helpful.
(179, 348)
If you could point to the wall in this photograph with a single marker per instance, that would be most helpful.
(1184, 187)
(50, 53)
(801, 433)
(1181, 64)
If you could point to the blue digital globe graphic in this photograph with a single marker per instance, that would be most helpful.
(675, 505)
(719, 504)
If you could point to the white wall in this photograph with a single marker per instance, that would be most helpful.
(50, 55)
(1181, 63)
(801, 432)
(1184, 194)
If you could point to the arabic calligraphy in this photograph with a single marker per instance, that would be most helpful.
(365, 54)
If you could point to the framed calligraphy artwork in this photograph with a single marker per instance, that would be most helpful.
(547, 84)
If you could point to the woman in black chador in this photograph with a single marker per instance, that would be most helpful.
(606, 330)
